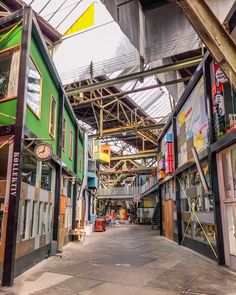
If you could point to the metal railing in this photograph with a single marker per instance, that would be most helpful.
(149, 184)
(128, 191)
(119, 191)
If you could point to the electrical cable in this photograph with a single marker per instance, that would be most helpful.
(108, 64)
(54, 13)
(31, 2)
(68, 14)
(44, 6)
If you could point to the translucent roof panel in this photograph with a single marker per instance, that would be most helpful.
(61, 14)
(155, 102)
(105, 46)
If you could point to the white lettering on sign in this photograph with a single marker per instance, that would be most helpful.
(220, 102)
(14, 173)
(220, 76)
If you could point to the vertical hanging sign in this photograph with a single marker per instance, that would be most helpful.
(14, 174)
(218, 100)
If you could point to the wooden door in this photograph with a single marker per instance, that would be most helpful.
(168, 218)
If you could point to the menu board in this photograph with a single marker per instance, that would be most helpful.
(192, 125)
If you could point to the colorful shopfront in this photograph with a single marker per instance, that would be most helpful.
(199, 196)
(222, 101)
(41, 149)
(188, 201)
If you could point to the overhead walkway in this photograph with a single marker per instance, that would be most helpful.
(129, 192)
(118, 193)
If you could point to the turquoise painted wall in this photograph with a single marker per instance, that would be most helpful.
(40, 127)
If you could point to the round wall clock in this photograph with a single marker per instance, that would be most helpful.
(43, 151)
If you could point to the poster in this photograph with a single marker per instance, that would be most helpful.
(192, 125)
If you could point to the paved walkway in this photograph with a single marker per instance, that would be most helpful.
(125, 260)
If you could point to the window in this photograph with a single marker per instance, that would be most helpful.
(49, 217)
(39, 216)
(9, 73)
(4, 162)
(64, 134)
(24, 234)
(43, 219)
(91, 165)
(52, 124)
(81, 161)
(71, 145)
(201, 227)
(32, 219)
(29, 168)
(46, 177)
(34, 89)
(69, 189)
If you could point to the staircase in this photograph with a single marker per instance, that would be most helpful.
(156, 217)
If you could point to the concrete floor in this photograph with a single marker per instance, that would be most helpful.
(125, 260)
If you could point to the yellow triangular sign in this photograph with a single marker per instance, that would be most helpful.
(85, 21)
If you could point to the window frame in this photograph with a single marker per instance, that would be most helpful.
(32, 228)
(25, 232)
(51, 169)
(71, 145)
(64, 134)
(11, 49)
(53, 135)
(31, 154)
(38, 116)
(80, 161)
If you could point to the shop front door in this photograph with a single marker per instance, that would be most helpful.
(227, 184)
(168, 217)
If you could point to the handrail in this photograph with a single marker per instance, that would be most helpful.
(128, 191)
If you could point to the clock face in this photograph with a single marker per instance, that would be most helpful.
(43, 151)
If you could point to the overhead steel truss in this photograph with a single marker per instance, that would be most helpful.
(114, 112)
(115, 115)
(216, 38)
(124, 130)
(122, 94)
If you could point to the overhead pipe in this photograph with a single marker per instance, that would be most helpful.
(190, 62)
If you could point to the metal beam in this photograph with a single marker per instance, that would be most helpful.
(134, 156)
(120, 94)
(217, 40)
(15, 179)
(127, 130)
(129, 171)
(155, 71)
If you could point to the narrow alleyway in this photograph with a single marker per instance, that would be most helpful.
(125, 260)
